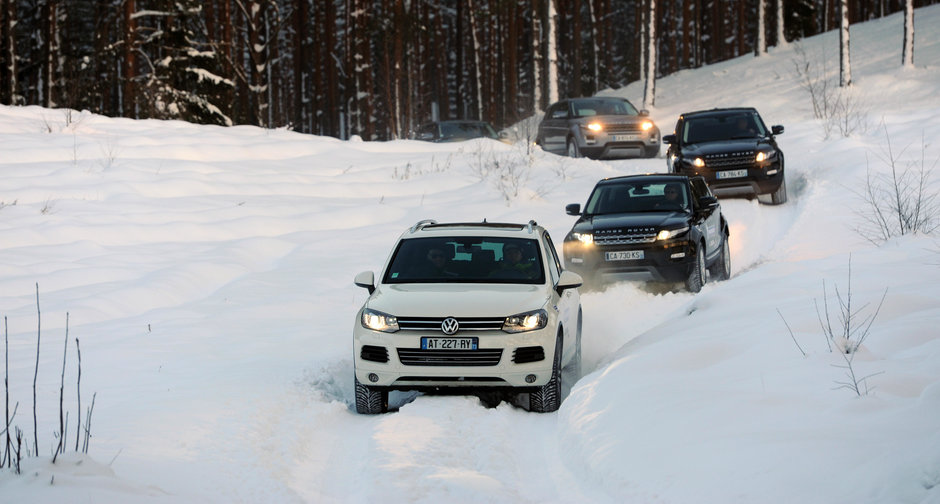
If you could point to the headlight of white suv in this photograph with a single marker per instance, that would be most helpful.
(378, 321)
(529, 321)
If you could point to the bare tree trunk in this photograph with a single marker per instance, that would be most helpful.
(643, 31)
(129, 95)
(907, 53)
(649, 90)
(536, 59)
(50, 52)
(760, 47)
(552, 52)
(398, 57)
(595, 46)
(476, 59)
(301, 66)
(512, 70)
(8, 78)
(845, 68)
(781, 37)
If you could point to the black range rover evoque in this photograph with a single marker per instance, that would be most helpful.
(733, 149)
(664, 228)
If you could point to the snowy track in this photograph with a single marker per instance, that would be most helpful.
(208, 274)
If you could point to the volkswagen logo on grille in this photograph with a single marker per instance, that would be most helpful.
(449, 326)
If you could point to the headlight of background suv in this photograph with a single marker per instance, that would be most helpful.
(595, 126)
(765, 156)
(529, 321)
(666, 234)
(378, 321)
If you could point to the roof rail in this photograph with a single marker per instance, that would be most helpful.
(420, 224)
(532, 223)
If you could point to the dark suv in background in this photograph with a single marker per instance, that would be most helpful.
(665, 228)
(455, 131)
(733, 149)
(598, 127)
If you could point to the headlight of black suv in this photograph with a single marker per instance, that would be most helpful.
(582, 238)
(528, 321)
(668, 234)
(766, 155)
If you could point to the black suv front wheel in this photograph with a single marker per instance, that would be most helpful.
(697, 275)
(721, 270)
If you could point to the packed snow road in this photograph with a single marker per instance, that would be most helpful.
(435, 447)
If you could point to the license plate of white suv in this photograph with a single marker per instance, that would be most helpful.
(625, 255)
(428, 343)
(732, 174)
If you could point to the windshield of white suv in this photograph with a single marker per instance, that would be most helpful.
(722, 127)
(471, 259)
(639, 196)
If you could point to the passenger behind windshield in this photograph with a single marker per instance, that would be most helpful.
(466, 259)
(716, 129)
(647, 197)
(744, 128)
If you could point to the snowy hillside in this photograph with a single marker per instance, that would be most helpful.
(207, 273)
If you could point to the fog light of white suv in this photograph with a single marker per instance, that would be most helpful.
(666, 234)
(529, 321)
(378, 321)
(530, 378)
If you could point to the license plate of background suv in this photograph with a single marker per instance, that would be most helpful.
(449, 343)
(625, 255)
(731, 174)
(624, 138)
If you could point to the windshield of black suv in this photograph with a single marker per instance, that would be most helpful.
(719, 127)
(639, 196)
(470, 259)
(592, 107)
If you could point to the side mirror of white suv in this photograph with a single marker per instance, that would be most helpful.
(366, 280)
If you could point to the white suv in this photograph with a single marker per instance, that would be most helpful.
(472, 306)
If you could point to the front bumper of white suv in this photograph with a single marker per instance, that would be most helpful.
(483, 355)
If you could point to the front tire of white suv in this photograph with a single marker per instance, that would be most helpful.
(370, 400)
(547, 398)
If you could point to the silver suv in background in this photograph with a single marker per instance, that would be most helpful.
(598, 127)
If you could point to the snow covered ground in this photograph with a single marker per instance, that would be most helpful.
(207, 273)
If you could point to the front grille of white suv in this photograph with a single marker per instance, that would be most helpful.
(434, 323)
(480, 357)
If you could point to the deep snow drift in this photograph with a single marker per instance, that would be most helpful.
(207, 273)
